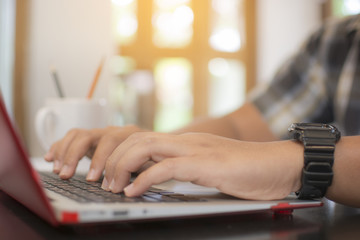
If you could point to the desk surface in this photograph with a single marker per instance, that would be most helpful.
(332, 221)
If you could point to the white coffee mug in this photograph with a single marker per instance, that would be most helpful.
(62, 114)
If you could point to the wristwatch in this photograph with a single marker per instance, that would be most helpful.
(319, 142)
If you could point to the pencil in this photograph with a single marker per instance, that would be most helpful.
(95, 80)
(57, 82)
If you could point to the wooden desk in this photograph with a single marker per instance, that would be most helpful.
(332, 221)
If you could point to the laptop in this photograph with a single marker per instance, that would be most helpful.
(47, 196)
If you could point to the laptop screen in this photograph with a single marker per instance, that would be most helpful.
(17, 177)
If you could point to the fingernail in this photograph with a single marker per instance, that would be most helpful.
(48, 156)
(65, 171)
(105, 185)
(112, 185)
(91, 175)
(129, 189)
(57, 166)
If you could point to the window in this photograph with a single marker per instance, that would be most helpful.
(173, 84)
(342, 8)
(200, 53)
(172, 23)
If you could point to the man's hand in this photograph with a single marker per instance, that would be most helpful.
(97, 144)
(243, 169)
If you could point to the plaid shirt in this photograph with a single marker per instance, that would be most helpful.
(319, 84)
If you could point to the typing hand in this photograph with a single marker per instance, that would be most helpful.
(97, 144)
(243, 169)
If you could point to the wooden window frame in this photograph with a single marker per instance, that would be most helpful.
(198, 52)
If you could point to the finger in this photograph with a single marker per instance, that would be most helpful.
(60, 149)
(113, 160)
(180, 169)
(135, 151)
(146, 166)
(103, 150)
(106, 146)
(153, 147)
(76, 150)
(49, 156)
(124, 179)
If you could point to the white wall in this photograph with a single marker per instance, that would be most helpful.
(283, 25)
(7, 29)
(72, 35)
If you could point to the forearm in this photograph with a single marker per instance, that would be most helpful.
(246, 123)
(345, 187)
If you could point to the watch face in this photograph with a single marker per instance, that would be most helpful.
(297, 130)
(303, 126)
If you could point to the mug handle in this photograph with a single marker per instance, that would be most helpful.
(45, 117)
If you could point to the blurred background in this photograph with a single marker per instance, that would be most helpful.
(167, 62)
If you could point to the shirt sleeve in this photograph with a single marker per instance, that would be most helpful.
(298, 92)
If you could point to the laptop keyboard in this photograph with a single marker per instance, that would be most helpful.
(80, 190)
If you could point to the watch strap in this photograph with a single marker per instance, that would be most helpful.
(317, 172)
(319, 146)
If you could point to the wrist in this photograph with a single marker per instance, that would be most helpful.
(286, 162)
(296, 160)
